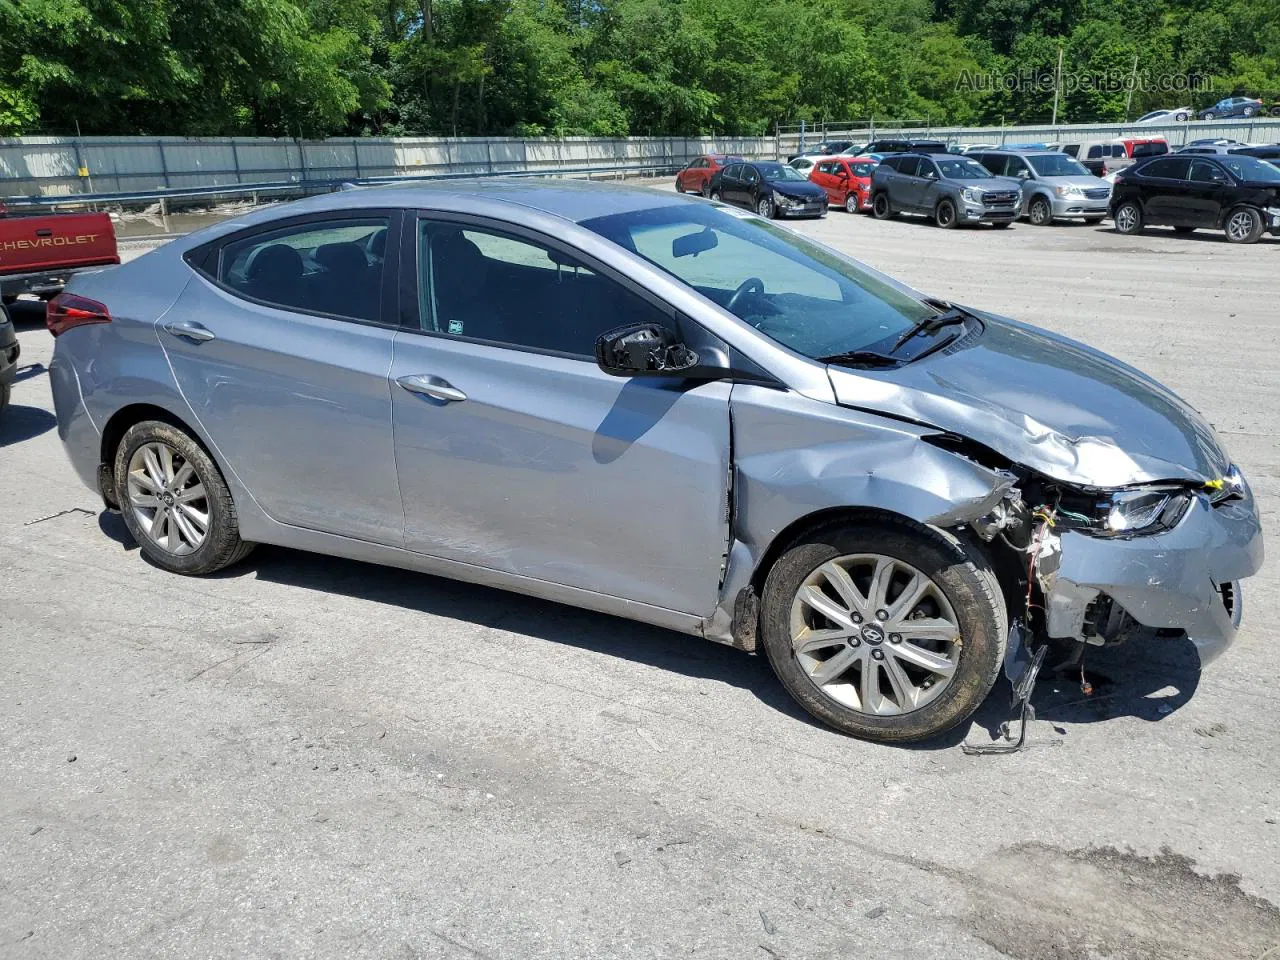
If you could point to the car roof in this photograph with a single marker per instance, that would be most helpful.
(573, 200)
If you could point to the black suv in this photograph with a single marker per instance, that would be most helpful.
(904, 146)
(1236, 194)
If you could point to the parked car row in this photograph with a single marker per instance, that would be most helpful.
(1222, 188)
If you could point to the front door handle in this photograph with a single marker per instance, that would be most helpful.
(434, 387)
(191, 330)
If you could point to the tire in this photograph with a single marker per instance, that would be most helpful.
(679, 186)
(1275, 111)
(1243, 225)
(714, 195)
(1040, 213)
(6, 391)
(851, 202)
(881, 208)
(220, 546)
(1129, 218)
(1184, 229)
(1249, 112)
(1210, 115)
(764, 207)
(706, 188)
(944, 214)
(962, 593)
(1181, 117)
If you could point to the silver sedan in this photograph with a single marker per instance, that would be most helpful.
(661, 408)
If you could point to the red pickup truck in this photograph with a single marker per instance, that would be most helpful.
(39, 253)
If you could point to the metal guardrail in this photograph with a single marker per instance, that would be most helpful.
(310, 187)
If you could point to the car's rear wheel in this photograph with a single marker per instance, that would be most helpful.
(1040, 213)
(1275, 111)
(850, 202)
(713, 194)
(1129, 218)
(679, 186)
(944, 214)
(175, 502)
(1250, 111)
(764, 207)
(881, 209)
(1244, 225)
(1181, 117)
(885, 631)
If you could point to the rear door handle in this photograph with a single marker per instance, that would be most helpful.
(435, 387)
(191, 330)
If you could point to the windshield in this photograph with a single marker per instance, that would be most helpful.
(800, 294)
(1251, 168)
(962, 169)
(779, 171)
(1058, 165)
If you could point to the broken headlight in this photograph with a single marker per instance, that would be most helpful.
(1144, 510)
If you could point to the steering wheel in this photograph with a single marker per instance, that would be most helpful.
(751, 285)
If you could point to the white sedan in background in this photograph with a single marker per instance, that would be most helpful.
(1175, 114)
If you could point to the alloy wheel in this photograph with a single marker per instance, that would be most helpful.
(875, 634)
(167, 498)
(1040, 213)
(850, 202)
(1240, 226)
(765, 208)
(1127, 218)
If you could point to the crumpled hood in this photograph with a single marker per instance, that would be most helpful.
(798, 190)
(1048, 403)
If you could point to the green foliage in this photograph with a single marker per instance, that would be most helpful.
(607, 67)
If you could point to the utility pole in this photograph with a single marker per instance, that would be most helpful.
(1057, 86)
(1133, 80)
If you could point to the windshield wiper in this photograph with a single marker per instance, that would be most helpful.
(862, 358)
(952, 315)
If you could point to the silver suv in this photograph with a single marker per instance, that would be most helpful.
(948, 188)
(1054, 185)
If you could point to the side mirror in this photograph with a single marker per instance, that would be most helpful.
(643, 350)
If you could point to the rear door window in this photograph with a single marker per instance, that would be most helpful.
(1170, 168)
(909, 166)
(331, 267)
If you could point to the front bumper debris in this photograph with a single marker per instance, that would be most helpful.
(1184, 580)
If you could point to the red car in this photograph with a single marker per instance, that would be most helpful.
(696, 177)
(39, 253)
(847, 181)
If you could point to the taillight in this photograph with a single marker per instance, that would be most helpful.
(66, 310)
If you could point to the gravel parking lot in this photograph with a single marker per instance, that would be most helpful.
(313, 757)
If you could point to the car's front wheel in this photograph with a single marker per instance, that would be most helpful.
(714, 195)
(886, 631)
(1209, 115)
(1040, 213)
(1128, 217)
(850, 202)
(175, 502)
(764, 207)
(1243, 225)
(944, 214)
